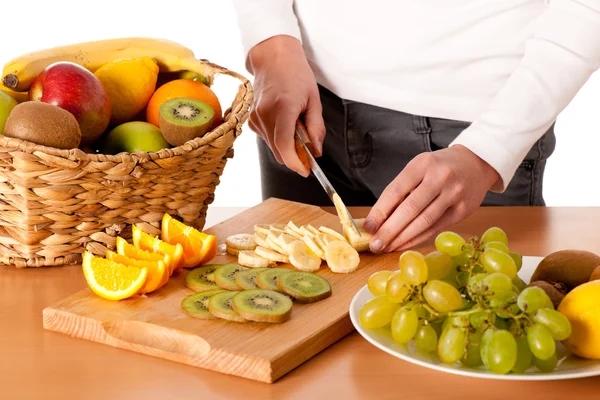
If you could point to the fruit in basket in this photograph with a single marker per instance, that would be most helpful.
(196, 305)
(581, 307)
(595, 274)
(111, 280)
(130, 82)
(7, 104)
(19, 97)
(133, 137)
(569, 267)
(145, 241)
(166, 77)
(77, 90)
(198, 247)
(262, 305)
(183, 88)
(43, 124)
(184, 119)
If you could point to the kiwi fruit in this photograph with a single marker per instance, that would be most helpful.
(202, 278)
(268, 279)
(247, 279)
(196, 305)
(183, 119)
(44, 124)
(569, 267)
(262, 305)
(305, 287)
(595, 274)
(219, 305)
(225, 276)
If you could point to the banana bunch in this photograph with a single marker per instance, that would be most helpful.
(19, 74)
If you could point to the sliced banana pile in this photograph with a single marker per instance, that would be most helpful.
(305, 247)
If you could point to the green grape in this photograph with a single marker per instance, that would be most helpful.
(438, 326)
(461, 260)
(540, 340)
(442, 296)
(547, 365)
(413, 267)
(497, 285)
(422, 312)
(519, 284)
(459, 321)
(517, 258)
(502, 352)
(532, 299)
(396, 289)
(378, 281)
(500, 323)
(497, 245)
(494, 234)
(558, 325)
(462, 278)
(481, 318)
(494, 260)
(485, 340)
(472, 356)
(404, 325)
(426, 338)
(377, 312)
(524, 356)
(450, 243)
(438, 265)
(474, 284)
(451, 346)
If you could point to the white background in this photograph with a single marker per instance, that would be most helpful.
(209, 28)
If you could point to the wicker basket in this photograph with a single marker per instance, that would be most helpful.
(56, 203)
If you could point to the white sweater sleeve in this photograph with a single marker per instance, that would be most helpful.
(258, 20)
(558, 60)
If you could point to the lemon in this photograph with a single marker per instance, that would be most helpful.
(582, 307)
(7, 103)
(134, 137)
(130, 83)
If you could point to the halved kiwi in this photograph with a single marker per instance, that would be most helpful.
(196, 305)
(202, 278)
(225, 276)
(268, 279)
(247, 279)
(262, 305)
(183, 119)
(305, 287)
(219, 305)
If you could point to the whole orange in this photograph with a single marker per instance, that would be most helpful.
(183, 88)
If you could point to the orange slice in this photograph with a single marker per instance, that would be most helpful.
(158, 273)
(111, 280)
(198, 247)
(147, 242)
(129, 250)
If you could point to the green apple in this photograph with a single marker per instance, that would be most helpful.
(7, 103)
(133, 137)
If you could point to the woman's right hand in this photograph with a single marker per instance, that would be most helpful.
(285, 90)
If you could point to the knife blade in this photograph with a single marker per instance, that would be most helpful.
(305, 153)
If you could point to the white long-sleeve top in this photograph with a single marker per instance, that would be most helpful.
(508, 66)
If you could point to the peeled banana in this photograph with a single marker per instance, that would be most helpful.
(20, 73)
(360, 243)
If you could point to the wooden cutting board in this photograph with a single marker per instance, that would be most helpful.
(157, 325)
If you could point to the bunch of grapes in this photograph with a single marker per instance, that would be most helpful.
(465, 302)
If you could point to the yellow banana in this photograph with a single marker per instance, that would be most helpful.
(20, 73)
(20, 97)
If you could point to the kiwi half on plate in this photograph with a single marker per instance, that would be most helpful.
(183, 119)
(219, 305)
(225, 276)
(196, 305)
(202, 278)
(305, 287)
(262, 305)
(268, 279)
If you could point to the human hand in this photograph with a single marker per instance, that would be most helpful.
(285, 89)
(435, 190)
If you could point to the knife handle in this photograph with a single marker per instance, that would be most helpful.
(302, 132)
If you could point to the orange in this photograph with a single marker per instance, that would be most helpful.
(198, 247)
(158, 273)
(183, 88)
(111, 280)
(129, 250)
(147, 242)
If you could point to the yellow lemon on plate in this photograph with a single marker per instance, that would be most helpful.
(130, 83)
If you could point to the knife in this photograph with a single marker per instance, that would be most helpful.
(303, 144)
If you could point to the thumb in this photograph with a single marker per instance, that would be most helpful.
(315, 125)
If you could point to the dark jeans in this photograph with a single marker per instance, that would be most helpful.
(367, 146)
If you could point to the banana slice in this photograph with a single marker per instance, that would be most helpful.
(292, 232)
(262, 228)
(305, 232)
(241, 241)
(249, 258)
(261, 239)
(313, 246)
(359, 242)
(312, 229)
(278, 226)
(326, 238)
(233, 252)
(332, 232)
(273, 245)
(293, 227)
(303, 258)
(284, 240)
(341, 257)
(271, 255)
(319, 241)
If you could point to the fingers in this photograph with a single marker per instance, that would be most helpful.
(284, 131)
(313, 120)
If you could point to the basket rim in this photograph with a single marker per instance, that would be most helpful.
(231, 120)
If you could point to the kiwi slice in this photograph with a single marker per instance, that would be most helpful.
(225, 276)
(268, 279)
(196, 305)
(262, 305)
(219, 305)
(247, 279)
(305, 287)
(183, 119)
(202, 278)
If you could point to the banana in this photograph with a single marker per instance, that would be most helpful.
(313, 246)
(233, 252)
(249, 258)
(341, 257)
(303, 258)
(293, 227)
(20, 97)
(305, 232)
(332, 232)
(284, 240)
(262, 228)
(271, 255)
(292, 232)
(326, 238)
(319, 241)
(19, 73)
(312, 229)
(273, 243)
(241, 241)
(359, 242)
(261, 239)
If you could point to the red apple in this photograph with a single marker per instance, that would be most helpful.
(77, 90)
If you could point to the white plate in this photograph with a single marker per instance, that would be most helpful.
(569, 366)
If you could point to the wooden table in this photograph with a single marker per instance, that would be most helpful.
(37, 364)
